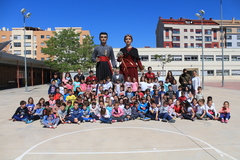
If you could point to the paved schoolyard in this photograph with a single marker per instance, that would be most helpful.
(128, 140)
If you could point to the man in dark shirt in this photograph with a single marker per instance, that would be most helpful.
(184, 78)
(79, 75)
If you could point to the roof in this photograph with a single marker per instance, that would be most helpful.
(7, 58)
(4, 44)
(184, 21)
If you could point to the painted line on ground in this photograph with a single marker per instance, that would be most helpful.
(124, 152)
(217, 150)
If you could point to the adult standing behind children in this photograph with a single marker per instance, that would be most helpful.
(102, 55)
(184, 78)
(79, 75)
(195, 82)
(116, 76)
(130, 60)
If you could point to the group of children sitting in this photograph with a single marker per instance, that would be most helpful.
(118, 103)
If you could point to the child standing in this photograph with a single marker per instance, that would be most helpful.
(76, 84)
(71, 97)
(83, 85)
(50, 120)
(225, 112)
(134, 85)
(52, 88)
(199, 94)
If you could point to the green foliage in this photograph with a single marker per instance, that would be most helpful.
(66, 53)
(164, 59)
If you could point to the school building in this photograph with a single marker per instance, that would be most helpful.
(191, 58)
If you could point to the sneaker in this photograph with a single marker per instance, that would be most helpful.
(159, 119)
(13, 119)
(78, 122)
(69, 122)
(226, 121)
(94, 120)
(114, 121)
(83, 121)
(24, 120)
(29, 121)
(222, 120)
(146, 119)
(55, 126)
(193, 119)
(138, 118)
(164, 120)
(172, 121)
(91, 121)
(51, 127)
(109, 122)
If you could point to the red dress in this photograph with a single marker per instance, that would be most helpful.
(130, 63)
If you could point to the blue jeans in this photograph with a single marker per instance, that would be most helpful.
(142, 115)
(105, 120)
(165, 116)
(72, 118)
(54, 122)
(86, 119)
(17, 117)
(225, 116)
(209, 115)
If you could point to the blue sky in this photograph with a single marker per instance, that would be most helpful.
(117, 17)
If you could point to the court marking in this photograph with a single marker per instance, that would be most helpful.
(72, 153)
(216, 150)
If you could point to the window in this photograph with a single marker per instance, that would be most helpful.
(176, 38)
(235, 72)
(185, 30)
(167, 37)
(10, 37)
(3, 37)
(238, 30)
(208, 31)
(229, 37)
(191, 30)
(198, 38)
(208, 45)
(198, 31)
(42, 51)
(17, 52)
(198, 45)
(167, 44)
(238, 37)
(176, 57)
(219, 58)
(17, 44)
(153, 58)
(167, 30)
(225, 73)
(28, 51)
(207, 58)
(191, 37)
(17, 37)
(235, 57)
(215, 38)
(185, 45)
(209, 73)
(144, 58)
(208, 38)
(238, 44)
(48, 36)
(185, 37)
(27, 44)
(42, 36)
(176, 31)
(176, 72)
(229, 44)
(35, 53)
(35, 38)
(84, 36)
(176, 45)
(42, 44)
(27, 36)
(221, 44)
(42, 59)
(191, 57)
(215, 45)
(228, 30)
(192, 45)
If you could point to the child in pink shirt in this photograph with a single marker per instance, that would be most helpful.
(225, 112)
(83, 86)
(134, 85)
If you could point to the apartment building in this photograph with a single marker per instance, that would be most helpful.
(191, 58)
(187, 33)
(34, 40)
(231, 29)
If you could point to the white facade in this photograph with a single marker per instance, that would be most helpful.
(190, 58)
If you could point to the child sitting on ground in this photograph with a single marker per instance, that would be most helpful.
(142, 108)
(75, 114)
(62, 113)
(21, 114)
(50, 120)
(211, 111)
(105, 116)
(86, 114)
(163, 113)
(201, 112)
(127, 112)
(225, 112)
(117, 113)
(153, 111)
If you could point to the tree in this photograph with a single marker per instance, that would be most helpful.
(66, 53)
(164, 59)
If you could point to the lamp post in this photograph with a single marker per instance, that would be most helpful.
(24, 45)
(222, 43)
(200, 16)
